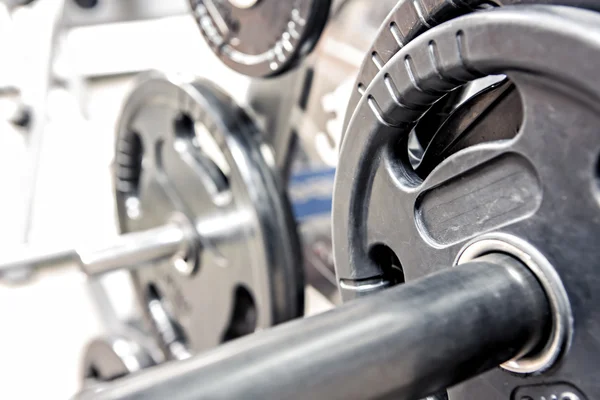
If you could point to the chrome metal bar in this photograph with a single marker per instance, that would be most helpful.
(28, 259)
(128, 251)
(407, 342)
(133, 249)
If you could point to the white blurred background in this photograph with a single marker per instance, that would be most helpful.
(46, 323)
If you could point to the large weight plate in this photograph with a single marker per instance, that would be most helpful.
(184, 148)
(261, 38)
(391, 225)
(411, 18)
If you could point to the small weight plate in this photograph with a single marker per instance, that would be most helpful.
(411, 18)
(185, 149)
(112, 357)
(540, 186)
(261, 38)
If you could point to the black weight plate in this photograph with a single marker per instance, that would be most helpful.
(411, 18)
(261, 38)
(185, 148)
(541, 186)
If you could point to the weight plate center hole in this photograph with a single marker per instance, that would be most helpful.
(556, 337)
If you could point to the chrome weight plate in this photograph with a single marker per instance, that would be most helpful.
(533, 194)
(261, 38)
(185, 151)
(411, 18)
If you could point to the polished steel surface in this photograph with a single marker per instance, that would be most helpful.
(23, 261)
(134, 249)
(124, 252)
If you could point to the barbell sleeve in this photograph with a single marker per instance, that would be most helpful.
(407, 342)
(131, 250)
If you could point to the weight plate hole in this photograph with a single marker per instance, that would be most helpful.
(198, 136)
(486, 110)
(388, 262)
(169, 330)
(184, 127)
(244, 316)
(400, 163)
(361, 89)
